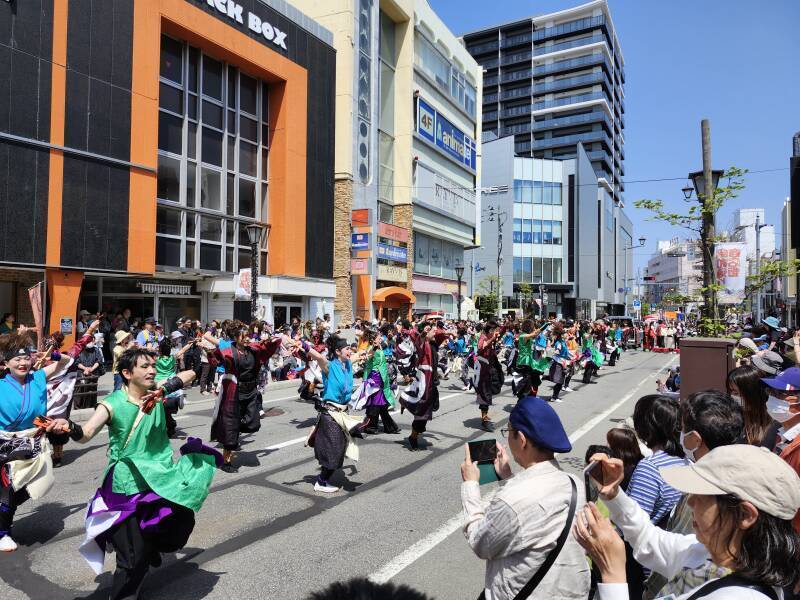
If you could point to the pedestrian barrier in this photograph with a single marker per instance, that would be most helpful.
(85, 394)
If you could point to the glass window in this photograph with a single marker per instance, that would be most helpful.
(192, 107)
(527, 234)
(191, 140)
(557, 194)
(556, 232)
(387, 49)
(248, 158)
(230, 196)
(212, 114)
(193, 59)
(526, 268)
(547, 232)
(518, 190)
(421, 264)
(170, 98)
(169, 178)
(170, 130)
(537, 270)
(557, 270)
(168, 221)
(230, 145)
(536, 237)
(517, 268)
(249, 94)
(547, 197)
(435, 249)
(517, 231)
(212, 78)
(385, 213)
(210, 229)
(231, 100)
(248, 128)
(448, 259)
(171, 59)
(190, 225)
(168, 251)
(190, 261)
(547, 275)
(537, 192)
(210, 188)
(386, 121)
(210, 257)
(212, 147)
(527, 192)
(244, 260)
(247, 198)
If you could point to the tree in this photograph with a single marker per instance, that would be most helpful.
(674, 298)
(695, 219)
(526, 292)
(769, 272)
(487, 298)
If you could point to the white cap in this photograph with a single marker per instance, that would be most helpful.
(750, 473)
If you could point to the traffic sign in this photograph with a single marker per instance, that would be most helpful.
(544, 298)
(620, 290)
(637, 304)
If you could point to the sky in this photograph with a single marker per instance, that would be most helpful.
(734, 62)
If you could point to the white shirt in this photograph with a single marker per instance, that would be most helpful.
(518, 529)
(662, 551)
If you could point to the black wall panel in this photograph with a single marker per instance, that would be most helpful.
(320, 61)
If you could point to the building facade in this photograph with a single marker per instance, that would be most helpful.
(744, 230)
(399, 183)
(140, 138)
(556, 80)
(560, 230)
(788, 285)
(675, 268)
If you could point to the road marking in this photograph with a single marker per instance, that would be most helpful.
(428, 543)
(286, 443)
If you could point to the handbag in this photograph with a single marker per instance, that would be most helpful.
(734, 580)
(528, 588)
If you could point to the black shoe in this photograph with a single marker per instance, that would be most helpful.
(392, 431)
(371, 430)
(155, 560)
(356, 432)
(229, 468)
(487, 426)
(413, 443)
(56, 461)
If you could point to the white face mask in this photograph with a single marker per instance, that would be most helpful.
(689, 453)
(778, 409)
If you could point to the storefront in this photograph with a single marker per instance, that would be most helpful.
(164, 137)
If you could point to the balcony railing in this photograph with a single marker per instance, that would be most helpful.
(538, 51)
(490, 98)
(516, 75)
(563, 84)
(599, 155)
(485, 47)
(516, 111)
(517, 40)
(516, 57)
(489, 64)
(592, 117)
(487, 81)
(515, 129)
(490, 116)
(568, 140)
(515, 93)
(572, 63)
(569, 28)
(568, 100)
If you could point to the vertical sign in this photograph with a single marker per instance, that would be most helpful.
(730, 262)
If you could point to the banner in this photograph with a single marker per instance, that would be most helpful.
(241, 285)
(730, 263)
(35, 296)
(437, 130)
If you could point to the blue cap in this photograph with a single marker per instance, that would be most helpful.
(788, 380)
(771, 322)
(539, 422)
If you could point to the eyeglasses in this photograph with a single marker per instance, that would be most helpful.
(505, 431)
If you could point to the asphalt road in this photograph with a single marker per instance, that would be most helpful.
(264, 532)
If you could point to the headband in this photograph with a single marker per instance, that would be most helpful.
(340, 343)
(18, 352)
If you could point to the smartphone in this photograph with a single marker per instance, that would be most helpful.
(591, 475)
(483, 451)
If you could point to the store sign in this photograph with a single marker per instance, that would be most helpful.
(387, 273)
(438, 131)
(393, 232)
(359, 266)
(66, 326)
(395, 253)
(235, 12)
(359, 241)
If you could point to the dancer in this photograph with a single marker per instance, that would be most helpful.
(375, 392)
(561, 360)
(166, 367)
(25, 455)
(146, 503)
(529, 370)
(485, 362)
(238, 401)
(332, 435)
(421, 397)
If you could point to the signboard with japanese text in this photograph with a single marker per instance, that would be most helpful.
(359, 266)
(730, 263)
(359, 241)
(393, 232)
(395, 253)
(438, 131)
(387, 273)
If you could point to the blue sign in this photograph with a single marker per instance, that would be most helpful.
(359, 241)
(437, 130)
(637, 304)
(395, 253)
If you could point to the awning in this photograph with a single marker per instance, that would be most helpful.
(383, 294)
(165, 288)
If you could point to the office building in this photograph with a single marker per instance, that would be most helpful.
(560, 229)
(744, 230)
(554, 81)
(407, 158)
(676, 268)
(138, 140)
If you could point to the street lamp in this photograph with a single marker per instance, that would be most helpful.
(699, 182)
(642, 242)
(254, 234)
(687, 191)
(459, 275)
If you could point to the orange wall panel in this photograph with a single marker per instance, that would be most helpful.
(63, 288)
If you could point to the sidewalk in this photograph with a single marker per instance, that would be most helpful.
(105, 385)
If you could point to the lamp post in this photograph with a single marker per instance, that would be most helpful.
(254, 233)
(459, 275)
(642, 241)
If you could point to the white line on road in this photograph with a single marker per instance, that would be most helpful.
(428, 543)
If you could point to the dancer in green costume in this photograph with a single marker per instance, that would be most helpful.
(146, 503)
(375, 393)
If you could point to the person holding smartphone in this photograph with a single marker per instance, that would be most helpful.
(529, 517)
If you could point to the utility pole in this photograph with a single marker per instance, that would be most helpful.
(500, 264)
(758, 266)
(708, 230)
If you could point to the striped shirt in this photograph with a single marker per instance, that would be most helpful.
(649, 490)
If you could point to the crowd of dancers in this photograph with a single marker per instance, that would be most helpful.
(355, 378)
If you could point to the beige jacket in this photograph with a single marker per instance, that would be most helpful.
(519, 527)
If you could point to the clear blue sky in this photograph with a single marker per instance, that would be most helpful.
(735, 62)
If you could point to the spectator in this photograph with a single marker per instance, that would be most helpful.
(784, 407)
(746, 388)
(81, 326)
(710, 419)
(743, 499)
(521, 525)
(624, 445)
(7, 323)
(364, 589)
(769, 363)
(123, 342)
(147, 337)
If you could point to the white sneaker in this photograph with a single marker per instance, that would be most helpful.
(466, 388)
(566, 389)
(7, 544)
(327, 489)
(261, 414)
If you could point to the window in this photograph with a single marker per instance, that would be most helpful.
(557, 270)
(526, 268)
(518, 269)
(557, 194)
(436, 257)
(212, 158)
(435, 247)
(517, 231)
(537, 192)
(547, 232)
(536, 236)
(527, 236)
(421, 261)
(386, 109)
(451, 81)
(547, 271)
(385, 213)
(557, 232)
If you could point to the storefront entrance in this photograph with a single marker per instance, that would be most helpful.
(392, 303)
